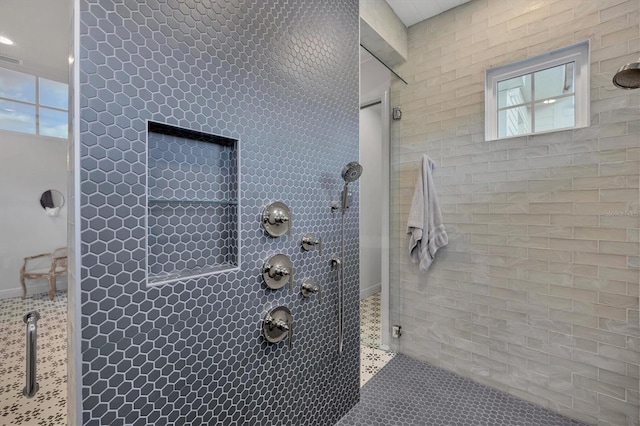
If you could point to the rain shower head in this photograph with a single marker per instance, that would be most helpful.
(627, 77)
(351, 172)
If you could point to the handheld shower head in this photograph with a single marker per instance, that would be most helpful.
(350, 173)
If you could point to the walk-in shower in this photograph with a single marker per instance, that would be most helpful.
(350, 173)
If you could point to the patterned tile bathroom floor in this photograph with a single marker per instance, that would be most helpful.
(49, 406)
(372, 358)
(370, 321)
(411, 393)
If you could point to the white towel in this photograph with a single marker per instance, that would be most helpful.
(427, 233)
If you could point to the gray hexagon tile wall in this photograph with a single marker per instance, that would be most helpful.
(282, 78)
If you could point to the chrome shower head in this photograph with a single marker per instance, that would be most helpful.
(628, 77)
(351, 172)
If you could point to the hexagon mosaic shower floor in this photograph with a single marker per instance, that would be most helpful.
(399, 391)
(410, 393)
(404, 393)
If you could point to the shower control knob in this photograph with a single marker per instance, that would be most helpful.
(309, 288)
(279, 323)
(309, 242)
(278, 271)
(276, 219)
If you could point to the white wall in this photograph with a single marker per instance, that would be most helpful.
(29, 165)
(370, 207)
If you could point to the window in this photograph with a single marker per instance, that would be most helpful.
(36, 105)
(545, 93)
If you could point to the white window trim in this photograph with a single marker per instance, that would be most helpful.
(37, 105)
(578, 53)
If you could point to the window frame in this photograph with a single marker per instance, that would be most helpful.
(579, 53)
(37, 106)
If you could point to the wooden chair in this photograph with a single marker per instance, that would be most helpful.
(33, 268)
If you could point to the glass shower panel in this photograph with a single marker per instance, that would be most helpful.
(401, 181)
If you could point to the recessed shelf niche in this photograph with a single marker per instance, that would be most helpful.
(192, 203)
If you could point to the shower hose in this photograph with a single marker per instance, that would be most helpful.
(341, 289)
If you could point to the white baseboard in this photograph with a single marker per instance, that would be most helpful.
(32, 288)
(370, 291)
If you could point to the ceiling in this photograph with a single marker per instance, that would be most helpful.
(40, 32)
(413, 11)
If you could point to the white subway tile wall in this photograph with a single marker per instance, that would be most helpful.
(537, 292)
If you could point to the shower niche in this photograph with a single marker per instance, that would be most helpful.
(192, 203)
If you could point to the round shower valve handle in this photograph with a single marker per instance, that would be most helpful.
(309, 288)
(277, 271)
(277, 217)
(277, 325)
(309, 242)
